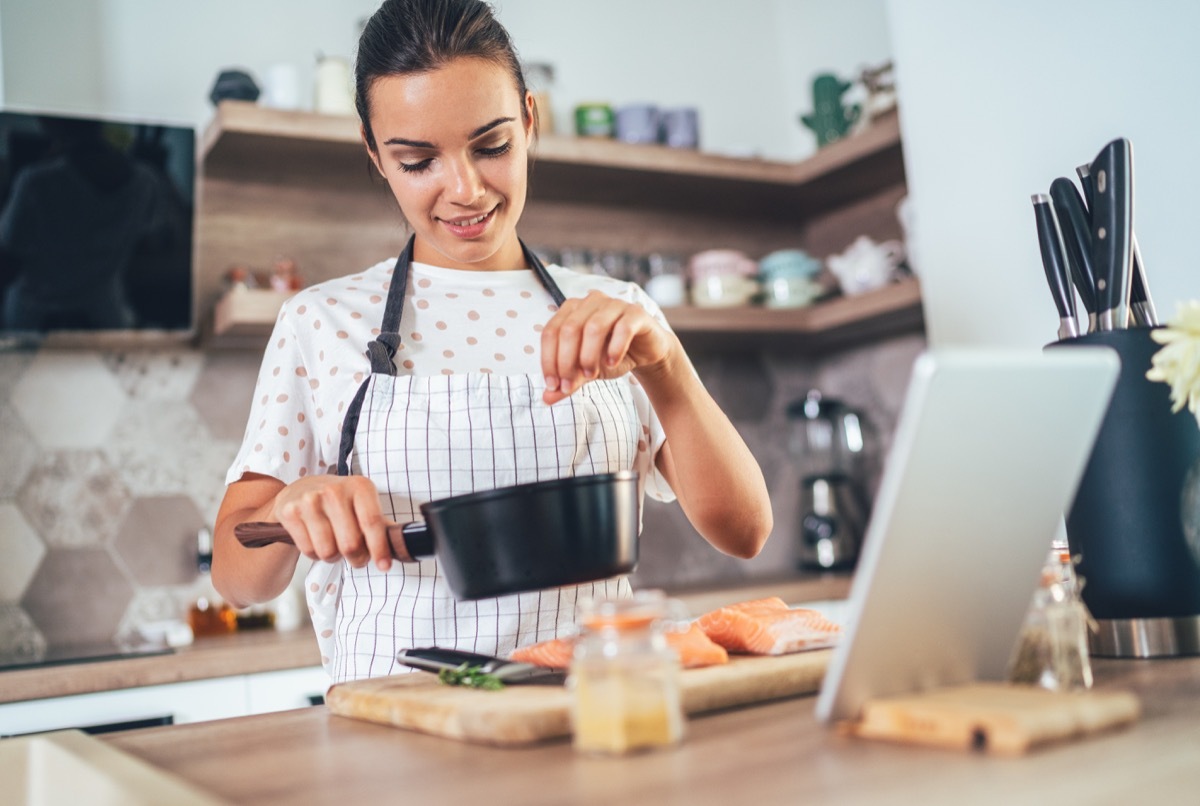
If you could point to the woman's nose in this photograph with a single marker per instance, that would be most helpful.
(466, 185)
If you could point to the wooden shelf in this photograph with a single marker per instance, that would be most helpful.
(245, 318)
(835, 324)
(596, 170)
(300, 183)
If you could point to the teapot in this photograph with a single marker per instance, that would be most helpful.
(865, 265)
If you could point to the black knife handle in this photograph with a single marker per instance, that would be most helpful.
(1112, 223)
(1072, 218)
(1054, 262)
(1141, 306)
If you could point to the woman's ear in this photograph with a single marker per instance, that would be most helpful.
(531, 111)
(371, 153)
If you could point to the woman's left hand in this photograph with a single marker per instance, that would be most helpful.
(599, 336)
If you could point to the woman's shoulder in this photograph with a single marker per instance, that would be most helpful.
(367, 287)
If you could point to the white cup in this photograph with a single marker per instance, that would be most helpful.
(281, 87)
(334, 94)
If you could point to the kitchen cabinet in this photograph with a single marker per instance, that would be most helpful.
(171, 703)
(277, 183)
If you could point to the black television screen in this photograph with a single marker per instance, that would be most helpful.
(96, 223)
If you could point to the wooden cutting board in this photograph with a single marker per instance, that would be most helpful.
(525, 714)
(999, 718)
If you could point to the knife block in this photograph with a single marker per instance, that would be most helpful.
(1140, 575)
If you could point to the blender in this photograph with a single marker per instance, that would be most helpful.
(829, 442)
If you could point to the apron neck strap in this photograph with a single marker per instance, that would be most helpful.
(383, 348)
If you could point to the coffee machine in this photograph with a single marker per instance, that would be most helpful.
(831, 444)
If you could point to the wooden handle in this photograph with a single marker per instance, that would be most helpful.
(259, 533)
(408, 542)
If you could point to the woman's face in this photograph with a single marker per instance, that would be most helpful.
(453, 145)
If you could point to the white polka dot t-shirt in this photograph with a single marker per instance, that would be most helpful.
(453, 322)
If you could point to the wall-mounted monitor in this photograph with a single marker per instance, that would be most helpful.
(96, 227)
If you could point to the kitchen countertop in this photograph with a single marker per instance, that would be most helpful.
(774, 753)
(267, 651)
(240, 653)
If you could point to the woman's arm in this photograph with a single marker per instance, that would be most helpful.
(328, 518)
(715, 477)
(247, 576)
(705, 461)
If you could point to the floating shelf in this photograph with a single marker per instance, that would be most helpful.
(246, 316)
(274, 143)
(304, 179)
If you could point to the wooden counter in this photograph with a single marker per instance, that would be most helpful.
(268, 651)
(244, 653)
(771, 754)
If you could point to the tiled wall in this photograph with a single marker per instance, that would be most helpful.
(111, 461)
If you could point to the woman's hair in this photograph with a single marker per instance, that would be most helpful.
(415, 36)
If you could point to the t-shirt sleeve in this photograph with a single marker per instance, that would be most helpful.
(283, 436)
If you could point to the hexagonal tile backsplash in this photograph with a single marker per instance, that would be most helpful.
(111, 460)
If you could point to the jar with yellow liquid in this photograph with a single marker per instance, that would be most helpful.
(624, 678)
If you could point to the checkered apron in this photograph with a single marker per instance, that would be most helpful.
(426, 438)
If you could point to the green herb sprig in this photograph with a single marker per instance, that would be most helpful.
(470, 676)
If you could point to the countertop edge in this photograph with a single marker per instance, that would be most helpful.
(270, 651)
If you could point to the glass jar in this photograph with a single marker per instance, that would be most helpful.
(624, 678)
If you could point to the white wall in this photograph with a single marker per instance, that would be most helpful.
(747, 64)
(999, 97)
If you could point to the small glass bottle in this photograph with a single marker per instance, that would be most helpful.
(624, 678)
(208, 613)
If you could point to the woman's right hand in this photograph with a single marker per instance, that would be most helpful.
(332, 517)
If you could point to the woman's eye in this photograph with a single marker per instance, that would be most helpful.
(415, 167)
(496, 151)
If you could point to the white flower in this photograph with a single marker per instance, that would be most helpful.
(1178, 361)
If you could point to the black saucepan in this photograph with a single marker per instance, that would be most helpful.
(515, 539)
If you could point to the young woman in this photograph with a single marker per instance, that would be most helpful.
(460, 337)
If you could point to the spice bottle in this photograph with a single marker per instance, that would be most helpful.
(1052, 651)
(208, 613)
(624, 678)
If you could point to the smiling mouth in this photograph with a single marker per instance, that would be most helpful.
(468, 222)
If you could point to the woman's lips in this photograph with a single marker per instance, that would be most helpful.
(468, 226)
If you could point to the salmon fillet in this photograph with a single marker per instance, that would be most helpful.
(768, 627)
(694, 648)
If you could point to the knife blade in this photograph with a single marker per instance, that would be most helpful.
(1141, 306)
(1071, 215)
(1112, 223)
(1054, 261)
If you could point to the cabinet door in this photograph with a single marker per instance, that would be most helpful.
(285, 690)
(194, 701)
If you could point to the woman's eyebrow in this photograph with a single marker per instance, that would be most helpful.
(402, 141)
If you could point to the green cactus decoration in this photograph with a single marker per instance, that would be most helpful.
(830, 120)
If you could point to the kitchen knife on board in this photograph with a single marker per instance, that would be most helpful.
(1073, 222)
(436, 659)
(1112, 223)
(1054, 261)
(1141, 305)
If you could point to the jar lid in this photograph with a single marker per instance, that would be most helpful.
(642, 610)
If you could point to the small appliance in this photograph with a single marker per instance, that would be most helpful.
(831, 443)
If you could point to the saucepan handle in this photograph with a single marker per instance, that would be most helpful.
(411, 539)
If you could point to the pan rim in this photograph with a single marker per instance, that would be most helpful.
(545, 485)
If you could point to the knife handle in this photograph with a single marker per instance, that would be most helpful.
(1055, 264)
(1112, 225)
(1071, 214)
(1141, 306)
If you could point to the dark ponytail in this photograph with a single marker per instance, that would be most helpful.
(415, 36)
